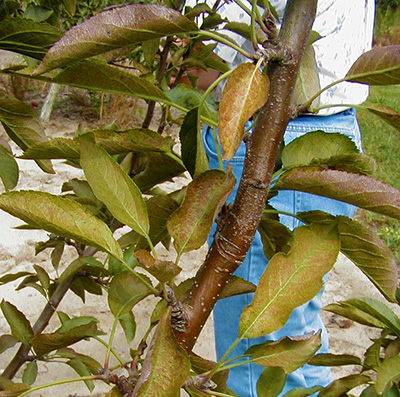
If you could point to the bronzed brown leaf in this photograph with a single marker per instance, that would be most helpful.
(360, 190)
(287, 353)
(331, 360)
(343, 385)
(191, 223)
(60, 216)
(237, 286)
(114, 29)
(6, 342)
(379, 66)
(386, 113)
(371, 255)
(387, 374)
(291, 279)
(166, 363)
(245, 92)
(9, 171)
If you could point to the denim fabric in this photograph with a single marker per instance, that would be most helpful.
(304, 319)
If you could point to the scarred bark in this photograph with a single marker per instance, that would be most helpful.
(236, 234)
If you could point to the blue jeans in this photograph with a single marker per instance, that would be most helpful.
(304, 319)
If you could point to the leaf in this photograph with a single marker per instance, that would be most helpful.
(96, 74)
(302, 392)
(288, 353)
(372, 356)
(27, 37)
(22, 125)
(81, 369)
(386, 113)
(163, 271)
(201, 365)
(94, 366)
(160, 167)
(20, 327)
(191, 223)
(245, 92)
(114, 187)
(316, 145)
(379, 66)
(60, 216)
(193, 154)
(114, 392)
(9, 171)
(334, 360)
(125, 291)
(343, 385)
(78, 265)
(360, 190)
(128, 324)
(38, 13)
(243, 29)
(7, 278)
(132, 140)
(14, 390)
(6, 342)
(387, 374)
(291, 280)
(274, 236)
(166, 363)
(150, 48)
(46, 343)
(370, 255)
(237, 286)
(43, 277)
(113, 29)
(271, 382)
(369, 312)
(30, 373)
(307, 83)
(75, 322)
(190, 98)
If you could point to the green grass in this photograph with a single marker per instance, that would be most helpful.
(382, 142)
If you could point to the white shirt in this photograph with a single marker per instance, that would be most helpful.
(346, 27)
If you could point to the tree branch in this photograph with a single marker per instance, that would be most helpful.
(234, 239)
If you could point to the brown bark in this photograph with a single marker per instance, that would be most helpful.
(234, 239)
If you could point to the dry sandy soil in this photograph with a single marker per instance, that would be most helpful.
(17, 254)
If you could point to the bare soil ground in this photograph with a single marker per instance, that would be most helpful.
(17, 254)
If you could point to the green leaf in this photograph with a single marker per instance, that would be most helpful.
(128, 324)
(30, 373)
(191, 223)
(60, 216)
(20, 327)
(387, 374)
(27, 37)
(302, 392)
(369, 312)
(291, 280)
(386, 113)
(94, 366)
(334, 360)
(125, 291)
(307, 83)
(360, 190)
(150, 48)
(189, 98)
(370, 255)
(75, 322)
(160, 167)
(96, 74)
(7, 278)
(38, 13)
(166, 363)
(316, 145)
(271, 382)
(379, 66)
(245, 92)
(78, 265)
(9, 171)
(46, 343)
(6, 342)
(288, 353)
(113, 29)
(22, 125)
(114, 187)
(132, 140)
(237, 286)
(43, 277)
(274, 236)
(81, 369)
(343, 385)
(372, 356)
